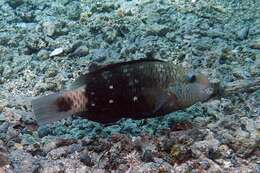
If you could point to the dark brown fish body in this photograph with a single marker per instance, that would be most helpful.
(136, 89)
(127, 90)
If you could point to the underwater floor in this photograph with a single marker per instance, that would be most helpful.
(45, 45)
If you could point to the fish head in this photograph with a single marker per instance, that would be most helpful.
(196, 88)
(201, 85)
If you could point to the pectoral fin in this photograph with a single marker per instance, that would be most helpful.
(166, 102)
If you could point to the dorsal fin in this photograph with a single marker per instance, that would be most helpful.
(83, 78)
(114, 65)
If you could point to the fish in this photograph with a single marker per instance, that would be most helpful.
(136, 89)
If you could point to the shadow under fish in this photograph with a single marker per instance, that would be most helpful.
(136, 89)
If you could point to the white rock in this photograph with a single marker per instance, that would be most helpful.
(57, 52)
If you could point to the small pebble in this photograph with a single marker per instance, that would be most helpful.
(44, 131)
(74, 148)
(80, 51)
(204, 164)
(255, 46)
(3, 159)
(243, 33)
(86, 159)
(49, 28)
(43, 54)
(15, 3)
(57, 52)
(147, 156)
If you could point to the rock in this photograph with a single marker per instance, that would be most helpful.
(80, 51)
(49, 28)
(74, 10)
(255, 45)
(207, 148)
(159, 166)
(138, 144)
(203, 44)
(1, 69)
(4, 126)
(74, 148)
(58, 153)
(240, 73)
(27, 16)
(255, 67)
(56, 52)
(244, 146)
(204, 164)
(34, 43)
(57, 143)
(15, 3)
(2, 117)
(76, 45)
(180, 153)
(100, 55)
(129, 127)
(110, 35)
(3, 159)
(51, 167)
(156, 29)
(23, 161)
(54, 28)
(86, 159)
(52, 72)
(243, 33)
(43, 54)
(11, 133)
(28, 139)
(44, 131)
(147, 156)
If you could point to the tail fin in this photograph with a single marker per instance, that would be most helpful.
(46, 109)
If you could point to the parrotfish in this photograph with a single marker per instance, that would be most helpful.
(135, 89)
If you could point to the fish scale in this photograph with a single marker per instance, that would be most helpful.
(136, 89)
(129, 101)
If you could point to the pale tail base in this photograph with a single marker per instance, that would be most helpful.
(46, 111)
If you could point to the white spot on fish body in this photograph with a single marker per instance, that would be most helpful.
(131, 83)
(93, 104)
(135, 98)
(111, 87)
(111, 101)
(92, 93)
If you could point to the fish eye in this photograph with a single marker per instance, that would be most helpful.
(191, 78)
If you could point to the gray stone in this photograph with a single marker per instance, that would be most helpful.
(4, 160)
(1, 69)
(86, 159)
(44, 131)
(58, 153)
(23, 161)
(15, 3)
(57, 52)
(80, 51)
(43, 54)
(243, 33)
(147, 156)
